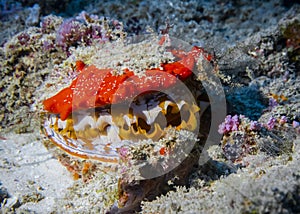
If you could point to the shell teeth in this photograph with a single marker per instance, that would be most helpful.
(53, 119)
(113, 134)
(103, 121)
(103, 133)
(61, 124)
(83, 122)
(156, 134)
(128, 121)
(181, 103)
(151, 114)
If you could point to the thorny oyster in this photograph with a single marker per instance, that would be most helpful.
(145, 120)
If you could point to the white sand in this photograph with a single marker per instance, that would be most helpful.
(29, 172)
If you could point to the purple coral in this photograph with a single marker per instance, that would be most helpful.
(254, 125)
(23, 38)
(123, 152)
(230, 124)
(222, 128)
(48, 45)
(69, 33)
(272, 103)
(271, 123)
(48, 24)
(82, 30)
(235, 123)
(283, 120)
(296, 124)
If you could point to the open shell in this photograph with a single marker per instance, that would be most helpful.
(96, 134)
